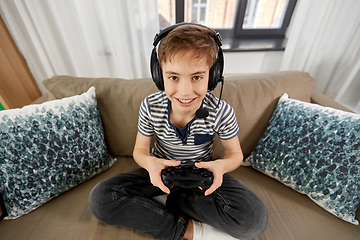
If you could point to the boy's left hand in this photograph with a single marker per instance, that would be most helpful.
(217, 168)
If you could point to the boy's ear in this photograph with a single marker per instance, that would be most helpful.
(156, 72)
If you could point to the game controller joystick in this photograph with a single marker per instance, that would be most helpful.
(187, 176)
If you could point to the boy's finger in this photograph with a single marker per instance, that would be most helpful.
(210, 190)
(172, 163)
(200, 165)
(159, 183)
(164, 188)
(176, 163)
(216, 184)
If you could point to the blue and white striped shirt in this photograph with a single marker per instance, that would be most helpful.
(154, 118)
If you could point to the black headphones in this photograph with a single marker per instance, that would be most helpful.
(216, 71)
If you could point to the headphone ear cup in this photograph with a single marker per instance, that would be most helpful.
(212, 77)
(156, 72)
(215, 73)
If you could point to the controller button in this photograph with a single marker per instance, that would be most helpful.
(195, 169)
(168, 182)
(166, 173)
(205, 185)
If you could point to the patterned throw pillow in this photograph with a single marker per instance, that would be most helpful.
(47, 149)
(316, 151)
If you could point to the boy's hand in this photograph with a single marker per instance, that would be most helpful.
(154, 168)
(217, 168)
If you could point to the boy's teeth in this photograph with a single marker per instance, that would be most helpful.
(185, 100)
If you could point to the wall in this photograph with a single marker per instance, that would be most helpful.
(17, 85)
(252, 62)
(350, 98)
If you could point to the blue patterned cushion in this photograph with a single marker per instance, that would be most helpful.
(316, 151)
(47, 149)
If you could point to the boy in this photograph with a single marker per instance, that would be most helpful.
(189, 64)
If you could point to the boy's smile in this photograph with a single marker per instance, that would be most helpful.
(186, 82)
(186, 102)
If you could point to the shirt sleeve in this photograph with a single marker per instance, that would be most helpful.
(145, 124)
(228, 126)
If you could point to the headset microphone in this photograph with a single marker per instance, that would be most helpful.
(202, 112)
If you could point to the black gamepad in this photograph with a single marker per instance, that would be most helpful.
(187, 176)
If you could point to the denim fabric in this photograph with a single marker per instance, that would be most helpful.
(126, 200)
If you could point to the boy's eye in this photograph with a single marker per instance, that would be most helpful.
(196, 78)
(173, 78)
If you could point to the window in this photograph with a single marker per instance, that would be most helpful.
(264, 14)
(199, 11)
(236, 20)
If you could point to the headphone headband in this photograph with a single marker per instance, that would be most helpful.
(163, 33)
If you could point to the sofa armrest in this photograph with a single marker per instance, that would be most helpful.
(318, 97)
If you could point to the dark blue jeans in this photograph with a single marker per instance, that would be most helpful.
(126, 200)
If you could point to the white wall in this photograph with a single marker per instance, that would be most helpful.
(252, 62)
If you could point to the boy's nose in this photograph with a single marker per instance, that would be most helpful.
(185, 87)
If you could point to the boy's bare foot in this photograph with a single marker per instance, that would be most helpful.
(189, 231)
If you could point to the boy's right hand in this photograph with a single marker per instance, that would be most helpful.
(154, 167)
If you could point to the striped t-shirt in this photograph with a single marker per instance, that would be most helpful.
(197, 145)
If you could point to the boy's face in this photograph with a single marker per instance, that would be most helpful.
(185, 82)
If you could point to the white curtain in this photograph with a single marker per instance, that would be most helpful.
(324, 40)
(84, 38)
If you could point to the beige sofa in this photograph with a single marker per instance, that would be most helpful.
(253, 96)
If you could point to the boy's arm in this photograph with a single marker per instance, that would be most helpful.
(232, 160)
(152, 164)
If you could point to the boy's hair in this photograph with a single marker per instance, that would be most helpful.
(189, 37)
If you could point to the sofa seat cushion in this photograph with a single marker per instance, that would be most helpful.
(67, 217)
(291, 215)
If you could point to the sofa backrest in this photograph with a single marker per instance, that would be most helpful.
(253, 97)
